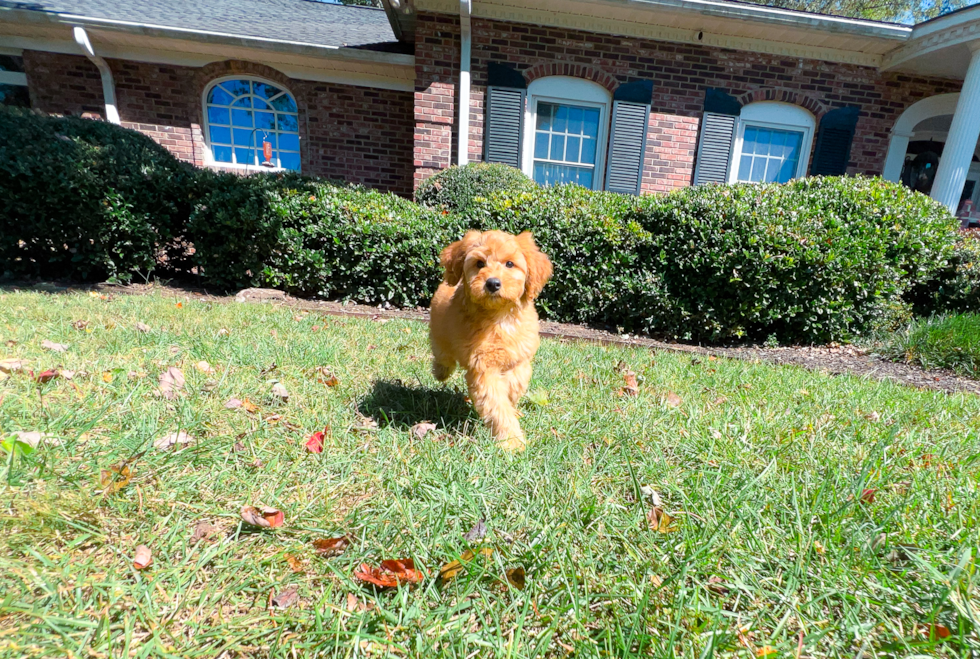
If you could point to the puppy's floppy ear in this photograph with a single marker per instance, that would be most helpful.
(538, 266)
(452, 257)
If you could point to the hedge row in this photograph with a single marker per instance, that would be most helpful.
(814, 260)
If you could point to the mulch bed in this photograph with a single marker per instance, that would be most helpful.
(833, 359)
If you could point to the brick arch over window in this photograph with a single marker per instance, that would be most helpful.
(574, 70)
(816, 108)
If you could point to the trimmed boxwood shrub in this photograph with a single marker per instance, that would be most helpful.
(86, 199)
(953, 286)
(455, 188)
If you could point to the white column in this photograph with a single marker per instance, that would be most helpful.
(898, 145)
(961, 141)
(464, 82)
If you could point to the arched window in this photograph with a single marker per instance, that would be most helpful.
(565, 131)
(243, 113)
(772, 144)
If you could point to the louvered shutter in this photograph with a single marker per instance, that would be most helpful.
(505, 121)
(627, 146)
(714, 148)
(833, 148)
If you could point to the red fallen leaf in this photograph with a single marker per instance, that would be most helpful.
(331, 546)
(934, 631)
(315, 443)
(46, 376)
(268, 518)
(868, 496)
(390, 574)
(143, 558)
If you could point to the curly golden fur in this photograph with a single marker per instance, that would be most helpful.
(483, 319)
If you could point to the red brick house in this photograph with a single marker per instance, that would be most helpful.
(626, 95)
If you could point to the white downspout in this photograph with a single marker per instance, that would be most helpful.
(466, 39)
(108, 85)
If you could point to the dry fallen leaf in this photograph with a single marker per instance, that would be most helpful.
(249, 406)
(356, 606)
(331, 546)
(142, 328)
(203, 531)
(107, 377)
(868, 495)
(390, 574)
(934, 631)
(632, 388)
(223, 332)
(652, 495)
(143, 557)
(11, 365)
(477, 532)
(56, 347)
(672, 399)
(765, 651)
(238, 447)
(315, 443)
(46, 376)
(115, 477)
(326, 376)
(450, 570)
(420, 430)
(268, 518)
(516, 577)
(34, 438)
(279, 391)
(204, 367)
(233, 404)
(171, 382)
(295, 564)
(715, 585)
(286, 598)
(171, 440)
(365, 424)
(660, 521)
(80, 324)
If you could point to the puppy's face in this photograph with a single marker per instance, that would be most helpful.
(497, 269)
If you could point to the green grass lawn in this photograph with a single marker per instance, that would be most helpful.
(776, 549)
(948, 341)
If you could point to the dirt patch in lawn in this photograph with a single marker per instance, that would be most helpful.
(833, 360)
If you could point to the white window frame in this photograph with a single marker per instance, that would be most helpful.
(566, 90)
(13, 78)
(209, 152)
(777, 116)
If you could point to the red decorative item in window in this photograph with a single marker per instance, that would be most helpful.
(267, 154)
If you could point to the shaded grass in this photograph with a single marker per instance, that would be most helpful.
(946, 341)
(762, 466)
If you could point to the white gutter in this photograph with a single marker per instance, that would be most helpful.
(108, 85)
(466, 41)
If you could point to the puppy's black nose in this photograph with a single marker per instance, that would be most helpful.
(493, 285)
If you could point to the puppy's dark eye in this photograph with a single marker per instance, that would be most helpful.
(509, 264)
(481, 264)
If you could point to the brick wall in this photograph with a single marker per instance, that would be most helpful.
(356, 134)
(680, 74)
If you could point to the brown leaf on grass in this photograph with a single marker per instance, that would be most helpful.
(331, 546)
(295, 564)
(56, 347)
(868, 495)
(11, 365)
(631, 388)
(934, 631)
(46, 376)
(715, 585)
(516, 577)
(249, 406)
(420, 430)
(169, 441)
(233, 404)
(34, 438)
(652, 495)
(171, 382)
(267, 518)
(143, 558)
(142, 328)
(660, 521)
(203, 531)
(325, 376)
(204, 367)
(80, 324)
(356, 606)
(115, 477)
(450, 570)
(238, 447)
(477, 532)
(286, 598)
(390, 574)
(279, 391)
(672, 399)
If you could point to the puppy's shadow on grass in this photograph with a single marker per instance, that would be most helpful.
(395, 404)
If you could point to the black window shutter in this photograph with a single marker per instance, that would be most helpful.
(833, 148)
(715, 148)
(627, 147)
(506, 91)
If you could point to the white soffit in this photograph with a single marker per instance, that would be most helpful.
(940, 47)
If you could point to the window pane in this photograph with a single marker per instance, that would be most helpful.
(557, 147)
(749, 139)
(575, 120)
(259, 104)
(545, 112)
(572, 147)
(745, 168)
(289, 142)
(265, 120)
(236, 87)
(220, 135)
(243, 137)
(284, 103)
(787, 171)
(551, 174)
(541, 142)
(561, 119)
(241, 118)
(243, 102)
(588, 151)
(590, 122)
(244, 156)
(15, 96)
(287, 123)
(261, 136)
(758, 169)
(218, 116)
(219, 96)
(222, 153)
(11, 63)
(289, 160)
(264, 91)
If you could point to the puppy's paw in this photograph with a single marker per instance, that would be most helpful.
(512, 445)
(441, 372)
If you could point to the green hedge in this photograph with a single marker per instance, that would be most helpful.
(86, 199)
(815, 260)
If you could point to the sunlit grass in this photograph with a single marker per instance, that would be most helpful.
(763, 467)
(947, 341)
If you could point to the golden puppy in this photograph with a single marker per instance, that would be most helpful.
(483, 319)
